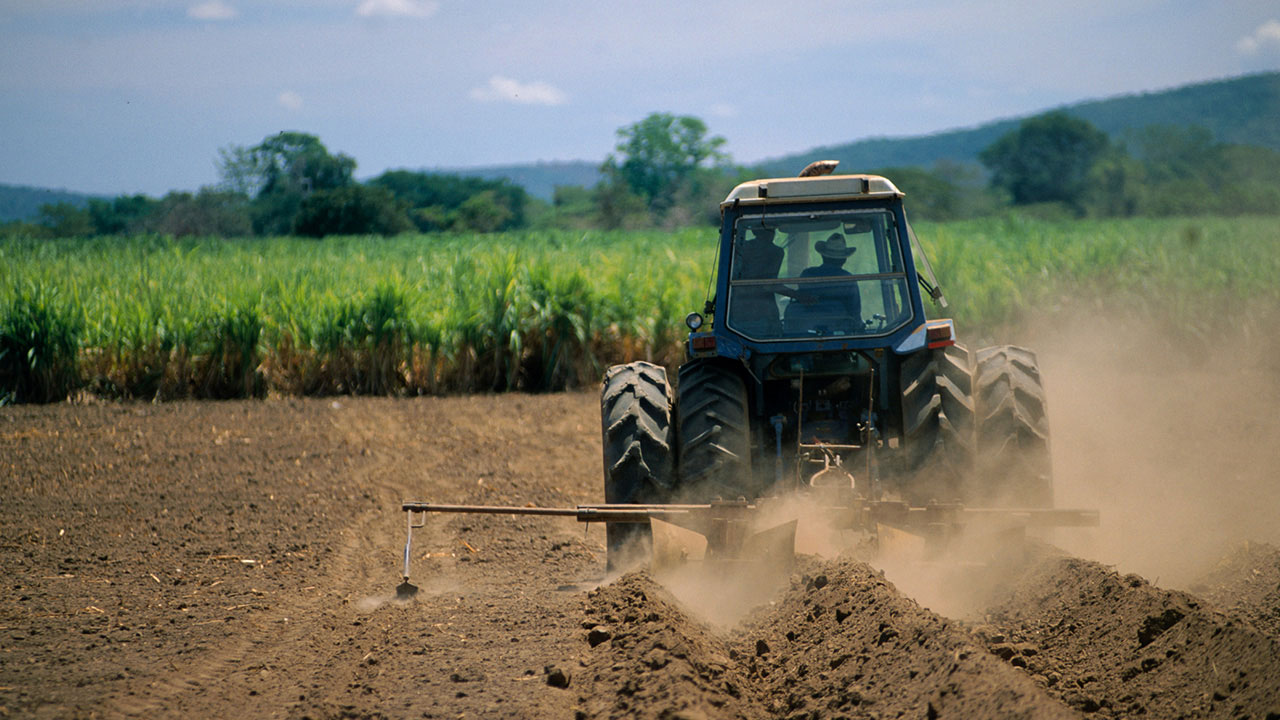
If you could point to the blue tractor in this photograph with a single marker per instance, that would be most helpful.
(815, 364)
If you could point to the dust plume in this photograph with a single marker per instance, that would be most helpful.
(724, 592)
(1177, 443)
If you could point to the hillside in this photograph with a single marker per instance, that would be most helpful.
(1239, 110)
(540, 179)
(19, 202)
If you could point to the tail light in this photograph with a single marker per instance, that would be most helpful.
(940, 335)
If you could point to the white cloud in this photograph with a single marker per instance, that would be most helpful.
(290, 100)
(397, 8)
(724, 110)
(212, 10)
(1266, 36)
(504, 89)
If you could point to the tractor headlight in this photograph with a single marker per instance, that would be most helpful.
(693, 320)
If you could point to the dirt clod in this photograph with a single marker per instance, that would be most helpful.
(598, 635)
(557, 677)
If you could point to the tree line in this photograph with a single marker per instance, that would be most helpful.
(668, 171)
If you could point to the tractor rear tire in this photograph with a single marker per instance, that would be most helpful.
(1011, 429)
(635, 417)
(937, 420)
(714, 435)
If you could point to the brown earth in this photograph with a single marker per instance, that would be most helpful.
(240, 558)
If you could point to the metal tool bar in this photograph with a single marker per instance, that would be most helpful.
(1037, 517)
(901, 514)
(625, 513)
(420, 507)
(697, 515)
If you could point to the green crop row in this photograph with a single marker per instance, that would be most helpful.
(155, 317)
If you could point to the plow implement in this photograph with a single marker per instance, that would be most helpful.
(729, 533)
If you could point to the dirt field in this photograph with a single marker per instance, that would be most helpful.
(222, 559)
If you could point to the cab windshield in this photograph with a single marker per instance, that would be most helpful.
(811, 275)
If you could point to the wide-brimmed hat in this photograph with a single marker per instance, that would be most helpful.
(834, 247)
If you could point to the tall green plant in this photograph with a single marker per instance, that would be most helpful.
(39, 341)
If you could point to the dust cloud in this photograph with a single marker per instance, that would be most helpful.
(724, 592)
(1177, 444)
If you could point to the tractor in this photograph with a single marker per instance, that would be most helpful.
(814, 373)
(815, 364)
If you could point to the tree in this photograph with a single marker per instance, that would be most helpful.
(453, 202)
(663, 156)
(210, 212)
(482, 212)
(1047, 159)
(279, 172)
(351, 210)
(121, 215)
(66, 220)
(287, 162)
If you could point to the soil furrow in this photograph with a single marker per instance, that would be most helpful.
(1114, 645)
(1246, 584)
(840, 642)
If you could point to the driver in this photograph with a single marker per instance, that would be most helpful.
(755, 308)
(835, 306)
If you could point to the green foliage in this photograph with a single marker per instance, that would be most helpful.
(39, 341)
(618, 207)
(124, 214)
(353, 210)
(274, 214)
(19, 229)
(452, 202)
(482, 212)
(1198, 276)
(161, 317)
(1047, 159)
(209, 212)
(664, 156)
(279, 172)
(227, 355)
(1183, 171)
(65, 220)
(297, 162)
(947, 192)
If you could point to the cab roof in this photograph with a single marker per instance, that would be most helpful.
(803, 189)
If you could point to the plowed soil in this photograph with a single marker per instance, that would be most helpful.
(240, 559)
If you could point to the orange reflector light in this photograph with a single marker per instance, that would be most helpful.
(703, 343)
(937, 336)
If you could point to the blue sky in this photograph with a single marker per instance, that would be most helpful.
(115, 96)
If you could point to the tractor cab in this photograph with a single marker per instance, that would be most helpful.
(834, 273)
(815, 265)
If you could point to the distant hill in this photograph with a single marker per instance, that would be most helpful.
(18, 202)
(1244, 110)
(539, 179)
